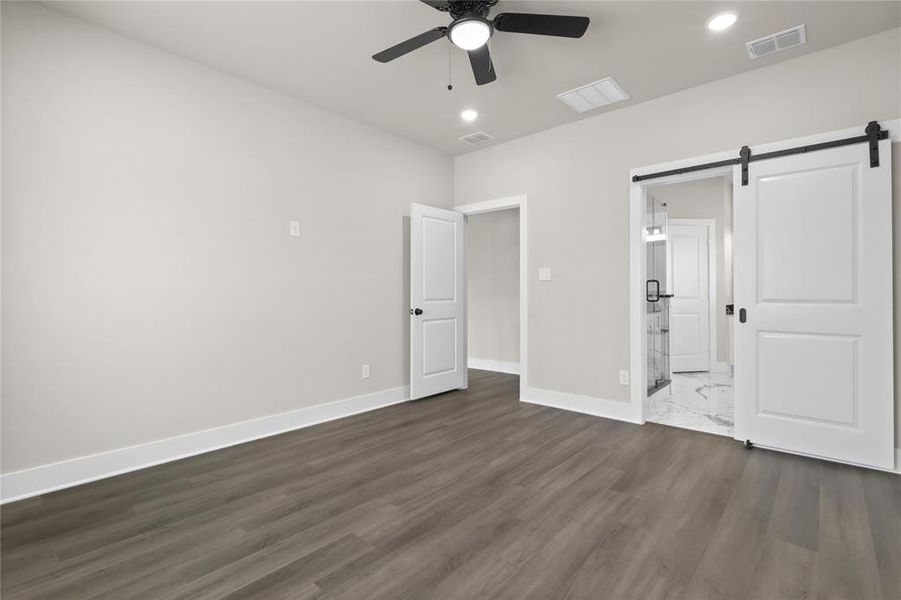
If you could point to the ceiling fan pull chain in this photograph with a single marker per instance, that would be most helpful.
(450, 84)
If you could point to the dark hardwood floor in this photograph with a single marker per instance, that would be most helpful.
(466, 495)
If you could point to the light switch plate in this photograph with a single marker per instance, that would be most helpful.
(294, 228)
(544, 274)
(364, 372)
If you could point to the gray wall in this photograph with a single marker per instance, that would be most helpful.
(149, 285)
(577, 180)
(493, 265)
(707, 199)
(150, 288)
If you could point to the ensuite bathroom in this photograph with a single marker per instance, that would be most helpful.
(688, 287)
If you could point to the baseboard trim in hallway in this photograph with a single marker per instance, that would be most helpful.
(35, 481)
(498, 366)
(589, 405)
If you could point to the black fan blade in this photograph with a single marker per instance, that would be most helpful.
(556, 25)
(482, 67)
(437, 4)
(410, 45)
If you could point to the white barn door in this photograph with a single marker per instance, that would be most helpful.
(813, 285)
(690, 305)
(437, 301)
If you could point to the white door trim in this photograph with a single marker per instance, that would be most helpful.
(637, 265)
(713, 309)
(521, 202)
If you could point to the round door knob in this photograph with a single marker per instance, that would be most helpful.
(416, 311)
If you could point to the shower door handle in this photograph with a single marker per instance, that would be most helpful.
(647, 290)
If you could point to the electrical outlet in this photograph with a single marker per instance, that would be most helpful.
(624, 377)
(294, 228)
(364, 372)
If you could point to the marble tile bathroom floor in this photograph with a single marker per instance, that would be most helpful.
(701, 401)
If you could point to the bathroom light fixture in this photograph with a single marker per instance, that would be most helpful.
(654, 234)
(722, 21)
(469, 115)
(470, 33)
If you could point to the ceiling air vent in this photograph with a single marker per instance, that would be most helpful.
(796, 36)
(594, 95)
(476, 138)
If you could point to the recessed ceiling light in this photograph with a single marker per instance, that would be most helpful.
(722, 21)
(470, 33)
(469, 115)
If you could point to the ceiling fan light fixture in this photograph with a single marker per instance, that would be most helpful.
(470, 33)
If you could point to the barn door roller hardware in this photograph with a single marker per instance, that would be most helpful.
(872, 134)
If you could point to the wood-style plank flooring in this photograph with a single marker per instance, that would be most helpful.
(471, 494)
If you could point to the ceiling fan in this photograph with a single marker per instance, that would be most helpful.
(471, 28)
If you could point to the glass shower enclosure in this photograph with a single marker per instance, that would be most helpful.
(657, 298)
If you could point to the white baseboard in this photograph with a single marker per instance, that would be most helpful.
(500, 366)
(589, 405)
(26, 483)
(56, 476)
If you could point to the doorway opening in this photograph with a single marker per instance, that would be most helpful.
(497, 282)
(688, 247)
(492, 258)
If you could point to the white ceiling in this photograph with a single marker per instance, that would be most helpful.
(320, 52)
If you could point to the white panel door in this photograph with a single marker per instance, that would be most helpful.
(437, 301)
(689, 278)
(813, 273)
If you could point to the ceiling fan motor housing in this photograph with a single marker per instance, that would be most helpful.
(465, 8)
